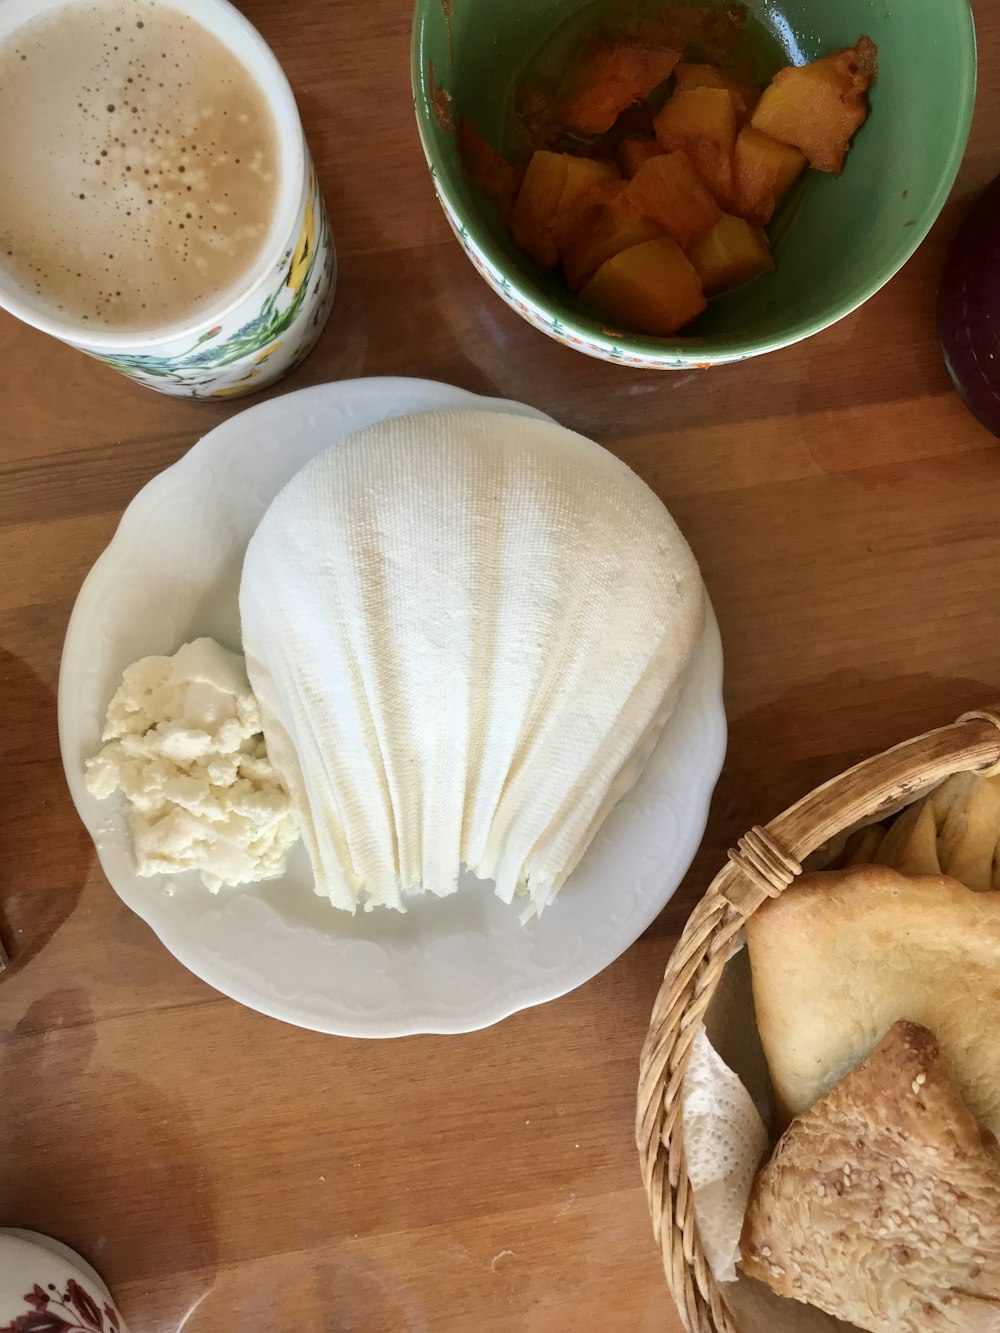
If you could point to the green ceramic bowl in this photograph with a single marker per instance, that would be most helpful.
(837, 240)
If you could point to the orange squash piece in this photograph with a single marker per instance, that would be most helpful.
(743, 94)
(584, 175)
(670, 191)
(536, 206)
(650, 288)
(599, 230)
(552, 182)
(702, 122)
(819, 107)
(730, 254)
(633, 152)
(764, 170)
(611, 78)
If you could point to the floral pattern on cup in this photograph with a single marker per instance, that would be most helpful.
(70, 1311)
(243, 355)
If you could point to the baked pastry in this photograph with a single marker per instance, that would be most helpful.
(881, 1204)
(839, 957)
(953, 830)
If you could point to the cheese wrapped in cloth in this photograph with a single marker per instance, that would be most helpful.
(466, 631)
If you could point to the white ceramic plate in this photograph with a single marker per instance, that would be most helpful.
(172, 573)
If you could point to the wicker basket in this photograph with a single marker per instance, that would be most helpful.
(766, 861)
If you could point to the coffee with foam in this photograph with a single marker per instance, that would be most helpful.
(138, 165)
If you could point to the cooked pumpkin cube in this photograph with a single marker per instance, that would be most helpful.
(536, 206)
(669, 190)
(583, 176)
(819, 107)
(633, 152)
(764, 170)
(702, 122)
(552, 182)
(743, 93)
(611, 78)
(651, 288)
(600, 229)
(730, 254)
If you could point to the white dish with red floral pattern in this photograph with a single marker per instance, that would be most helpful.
(46, 1288)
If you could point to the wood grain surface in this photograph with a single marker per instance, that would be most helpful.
(228, 1174)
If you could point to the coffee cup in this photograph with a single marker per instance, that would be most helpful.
(43, 1284)
(159, 209)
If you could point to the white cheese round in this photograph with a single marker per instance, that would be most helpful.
(465, 632)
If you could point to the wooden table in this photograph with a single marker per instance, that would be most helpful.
(228, 1174)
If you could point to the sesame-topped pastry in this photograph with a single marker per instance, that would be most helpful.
(881, 1203)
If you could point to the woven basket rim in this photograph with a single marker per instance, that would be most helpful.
(762, 865)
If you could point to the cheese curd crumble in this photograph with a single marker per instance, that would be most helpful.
(185, 747)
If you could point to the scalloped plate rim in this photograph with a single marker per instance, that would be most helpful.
(701, 700)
